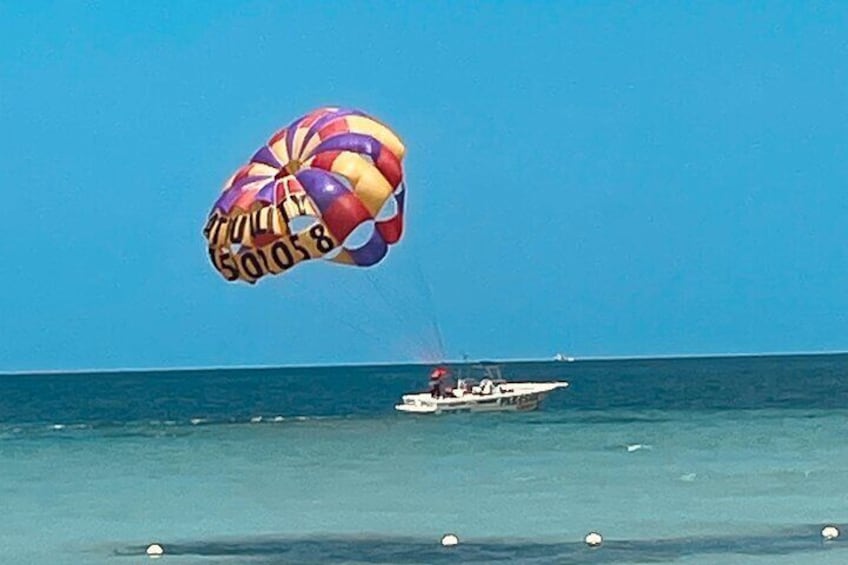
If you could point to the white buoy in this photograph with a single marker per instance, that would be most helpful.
(830, 532)
(155, 550)
(450, 540)
(593, 539)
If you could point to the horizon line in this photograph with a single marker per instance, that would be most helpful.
(551, 359)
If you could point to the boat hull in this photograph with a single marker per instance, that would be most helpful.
(521, 397)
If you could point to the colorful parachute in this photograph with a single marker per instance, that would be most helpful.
(305, 192)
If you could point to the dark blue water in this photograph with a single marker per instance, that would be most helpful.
(230, 395)
(403, 550)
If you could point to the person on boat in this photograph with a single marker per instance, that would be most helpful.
(437, 383)
(486, 387)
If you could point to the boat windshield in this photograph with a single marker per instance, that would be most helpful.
(473, 375)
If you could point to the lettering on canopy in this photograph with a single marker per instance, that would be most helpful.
(284, 251)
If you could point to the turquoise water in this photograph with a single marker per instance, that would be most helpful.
(734, 460)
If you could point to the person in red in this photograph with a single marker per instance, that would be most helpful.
(436, 382)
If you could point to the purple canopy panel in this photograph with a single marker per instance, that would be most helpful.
(355, 142)
(227, 199)
(371, 253)
(266, 157)
(322, 187)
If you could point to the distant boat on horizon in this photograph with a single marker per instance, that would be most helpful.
(563, 357)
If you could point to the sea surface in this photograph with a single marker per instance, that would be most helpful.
(698, 460)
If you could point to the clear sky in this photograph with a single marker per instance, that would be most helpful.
(596, 178)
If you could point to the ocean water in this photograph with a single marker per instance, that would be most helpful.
(710, 460)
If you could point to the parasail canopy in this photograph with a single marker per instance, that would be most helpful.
(327, 186)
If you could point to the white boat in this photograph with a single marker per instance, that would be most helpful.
(491, 394)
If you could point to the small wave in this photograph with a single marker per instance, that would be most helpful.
(688, 477)
(281, 419)
(148, 426)
(637, 447)
(67, 427)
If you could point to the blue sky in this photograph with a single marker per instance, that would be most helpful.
(597, 178)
